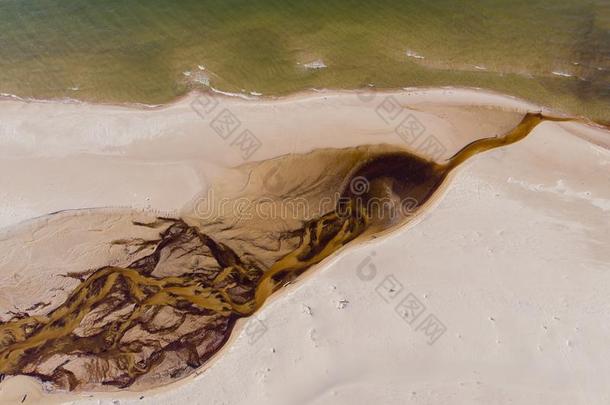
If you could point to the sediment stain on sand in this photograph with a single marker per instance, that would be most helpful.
(176, 300)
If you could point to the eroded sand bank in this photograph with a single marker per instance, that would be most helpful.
(449, 118)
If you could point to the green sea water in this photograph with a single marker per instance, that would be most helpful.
(149, 51)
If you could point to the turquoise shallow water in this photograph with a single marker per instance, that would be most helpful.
(553, 52)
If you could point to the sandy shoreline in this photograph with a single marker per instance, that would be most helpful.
(479, 94)
(476, 92)
(87, 156)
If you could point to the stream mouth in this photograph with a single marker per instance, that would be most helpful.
(174, 299)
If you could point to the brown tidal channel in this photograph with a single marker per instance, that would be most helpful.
(174, 305)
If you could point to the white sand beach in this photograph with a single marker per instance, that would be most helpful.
(511, 257)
